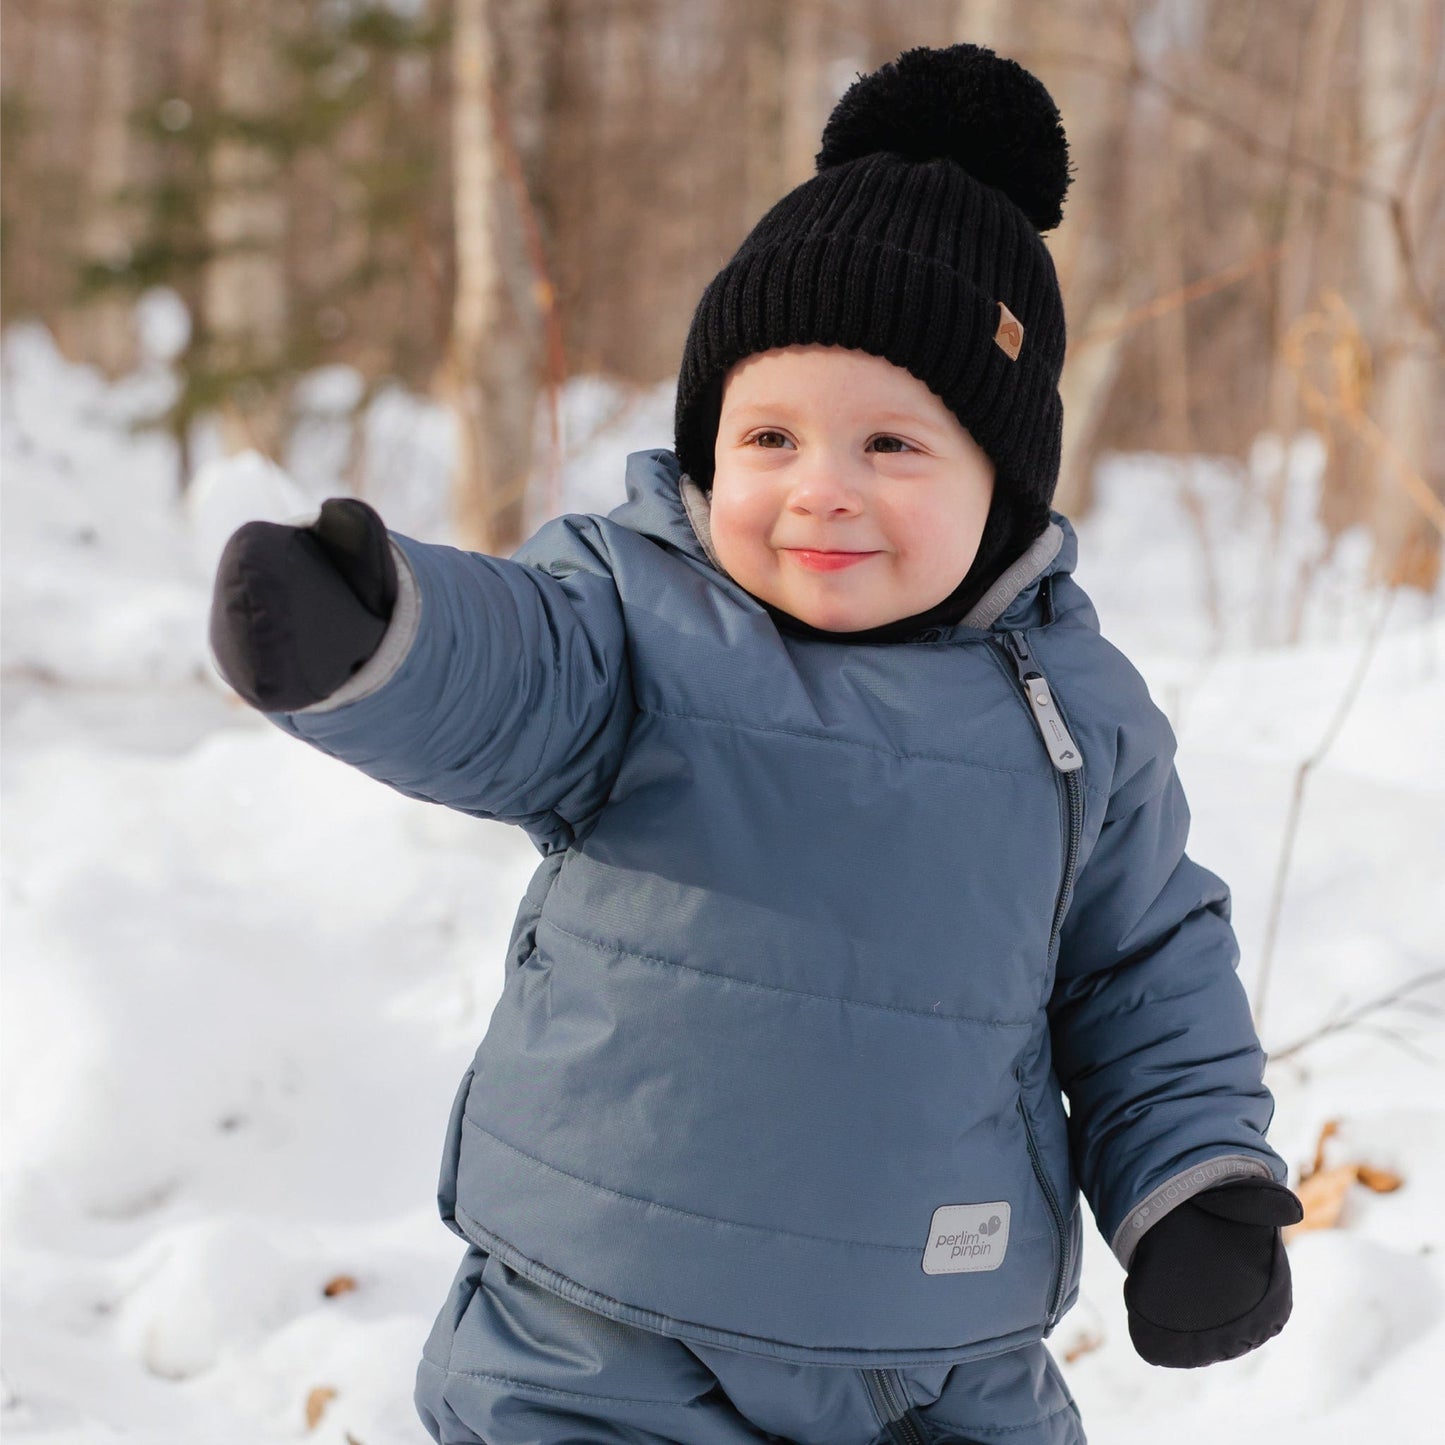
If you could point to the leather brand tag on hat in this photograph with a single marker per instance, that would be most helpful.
(1010, 334)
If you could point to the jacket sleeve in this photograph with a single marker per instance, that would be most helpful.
(501, 688)
(1152, 1036)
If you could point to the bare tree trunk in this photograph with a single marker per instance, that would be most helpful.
(1086, 250)
(764, 60)
(103, 330)
(533, 32)
(805, 106)
(1171, 335)
(187, 69)
(22, 276)
(488, 376)
(244, 286)
(1406, 361)
(48, 125)
(1300, 202)
(475, 310)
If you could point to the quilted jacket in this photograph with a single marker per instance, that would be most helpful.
(823, 937)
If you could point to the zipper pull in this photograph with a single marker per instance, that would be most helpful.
(1018, 650)
(1063, 751)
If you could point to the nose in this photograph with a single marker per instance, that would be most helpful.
(822, 487)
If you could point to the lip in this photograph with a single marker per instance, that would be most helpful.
(821, 561)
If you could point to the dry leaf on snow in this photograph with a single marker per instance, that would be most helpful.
(1382, 1181)
(1331, 1128)
(1323, 1190)
(316, 1403)
(1323, 1196)
(1086, 1344)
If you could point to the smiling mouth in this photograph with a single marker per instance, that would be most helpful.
(823, 561)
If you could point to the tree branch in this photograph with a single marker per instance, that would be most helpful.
(1347, 701)
(1356, 1016)
(1136, 72)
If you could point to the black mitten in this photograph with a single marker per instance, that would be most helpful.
(297, 610)
(1210, 1281)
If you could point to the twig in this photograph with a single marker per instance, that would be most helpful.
(1380, 1031)
(1347, 701)
(1353, 1019)
(1136, 72)
(1183, 295)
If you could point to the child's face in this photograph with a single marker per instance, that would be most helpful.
(845, 492)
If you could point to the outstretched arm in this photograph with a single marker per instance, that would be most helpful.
(497, 688)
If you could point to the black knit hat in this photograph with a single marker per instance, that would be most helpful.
(918, 241)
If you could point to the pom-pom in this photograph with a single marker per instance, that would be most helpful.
(966, 104)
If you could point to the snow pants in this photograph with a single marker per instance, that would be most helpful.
(510, 1363)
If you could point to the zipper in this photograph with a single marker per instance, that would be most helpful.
(892, 1404)
(1063, 753)
(1068, 760)
(1064, 1251)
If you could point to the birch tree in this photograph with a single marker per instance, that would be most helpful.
(1399, 70)
(104, 327)
(488, 374)
(244, 291)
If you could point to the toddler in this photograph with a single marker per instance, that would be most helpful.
(861, 851)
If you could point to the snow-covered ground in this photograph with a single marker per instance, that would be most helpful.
(241, 981)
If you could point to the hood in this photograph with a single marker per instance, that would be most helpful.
(668, 506)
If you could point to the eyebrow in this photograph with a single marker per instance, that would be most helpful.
(782, 409)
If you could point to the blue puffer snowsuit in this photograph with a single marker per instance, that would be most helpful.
(820, 933)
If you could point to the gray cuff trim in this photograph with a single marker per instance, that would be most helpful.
(1173, 1192)
(395, 643)
(994, 603)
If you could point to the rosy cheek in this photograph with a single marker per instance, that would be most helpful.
(737, 527)
(730, 541)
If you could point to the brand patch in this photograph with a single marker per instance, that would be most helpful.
(966, 1237)
(1009, 338)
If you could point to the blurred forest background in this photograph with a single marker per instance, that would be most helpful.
(481, 198)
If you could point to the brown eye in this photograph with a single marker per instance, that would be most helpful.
(760, 439)
(901, 444)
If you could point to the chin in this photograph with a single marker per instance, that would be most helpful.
(832, 619)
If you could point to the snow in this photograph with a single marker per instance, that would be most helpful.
(242, 981)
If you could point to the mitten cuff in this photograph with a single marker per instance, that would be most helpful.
(1175, 1190)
